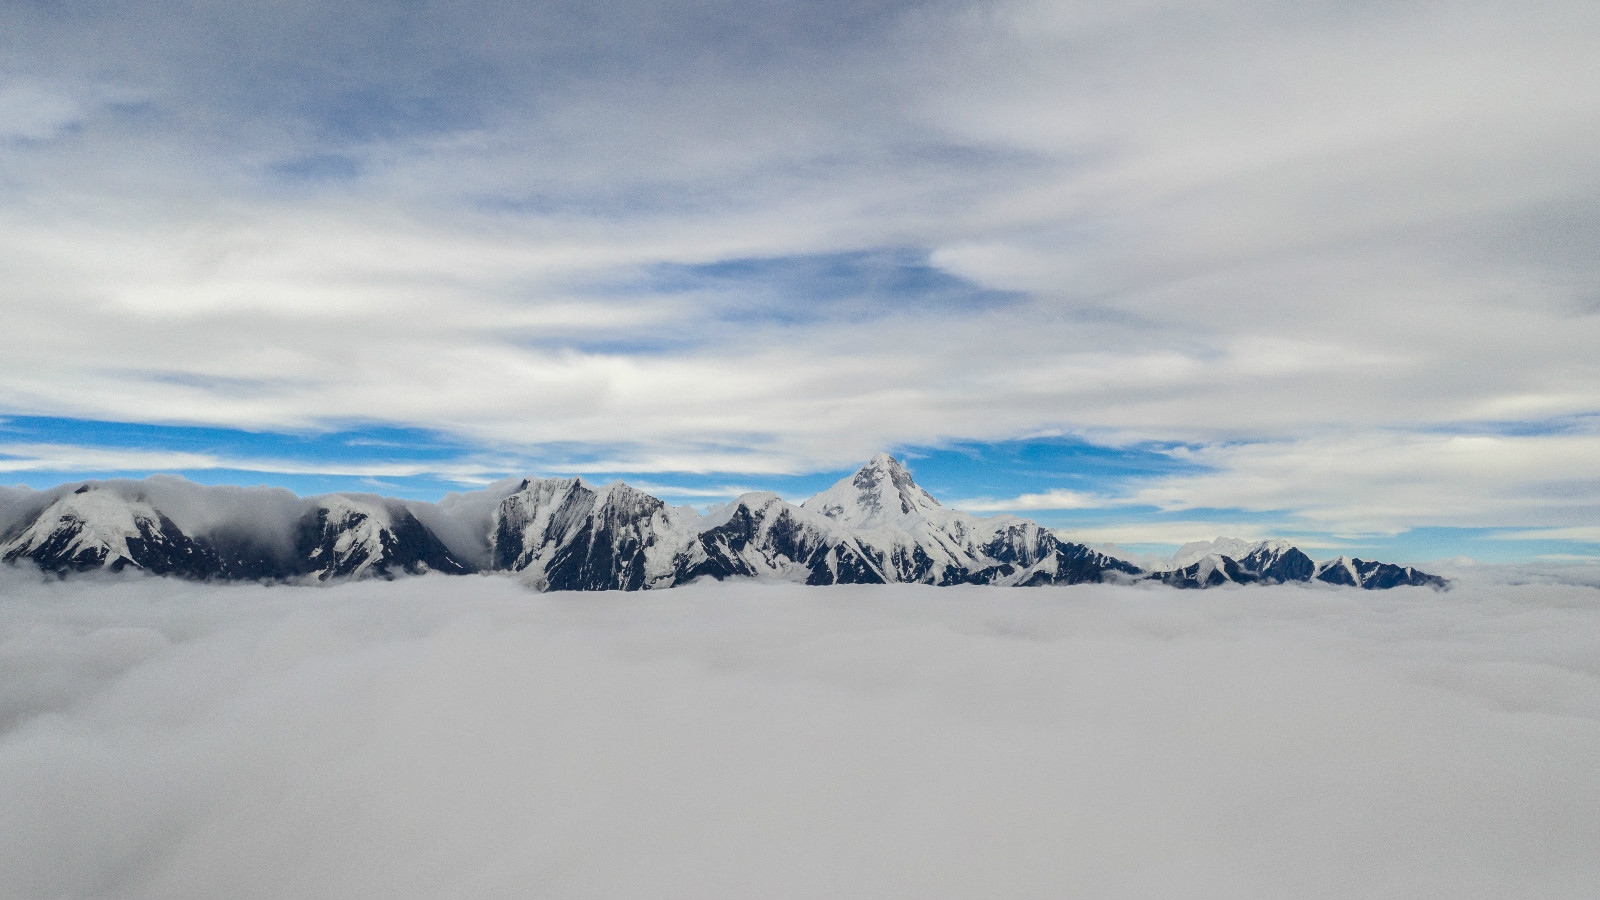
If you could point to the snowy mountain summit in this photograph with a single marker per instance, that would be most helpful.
(874, 527)
(877, 526)
(881, 493)
(1232, 561)
(98, 529)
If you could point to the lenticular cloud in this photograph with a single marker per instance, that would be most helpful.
(460, 737)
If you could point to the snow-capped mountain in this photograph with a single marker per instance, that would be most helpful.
(760, 535)
(346, 536)
(119, 526)
(911, 537)
(1232, 561)
(98, 529)
(875, 527)
(566, 534)
(1372, 575)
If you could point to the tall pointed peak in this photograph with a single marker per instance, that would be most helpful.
(883, 461)
(884, 467)
(879, 491)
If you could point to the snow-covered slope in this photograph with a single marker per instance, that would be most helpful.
(353, 536)
(1373, 575)
(118, 526)
(1230, 560)
(1233, 561)
(564, 534)
(911, 537)
(762, 535)
(99, 529)
(876, 526)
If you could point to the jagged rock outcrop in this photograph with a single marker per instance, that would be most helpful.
(1231, 561)
(911, 537)
(338, 536)
(92, 529)
(1374, 575)
(345, 537)
(565, 534)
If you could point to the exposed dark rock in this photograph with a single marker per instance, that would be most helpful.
(565, 534)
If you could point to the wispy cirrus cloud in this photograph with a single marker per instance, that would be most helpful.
(1589, 534)
(71, 458)
(1052, 500)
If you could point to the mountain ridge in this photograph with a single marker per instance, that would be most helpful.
(875, 526)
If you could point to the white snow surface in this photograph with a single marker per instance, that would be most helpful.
(879, 512)
(104, 521)
(878, 515)
(884, 508)
(882, 493)
(767, 509)
(1340, 563)
(361, 522)
(1233, 548)
(549, 513)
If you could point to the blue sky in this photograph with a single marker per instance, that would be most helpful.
(1146, 272)
(1064, 483)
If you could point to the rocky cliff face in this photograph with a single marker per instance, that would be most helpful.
(1231, 561)
(565, 534)
(344, 537)
(338, 536)
(92, 529)
(1373, 575)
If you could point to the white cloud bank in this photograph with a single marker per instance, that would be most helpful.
(1386, 482)
(1232, 220)
(1315, 240)
(460, 737)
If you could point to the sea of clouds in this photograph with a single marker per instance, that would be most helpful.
(462, 737)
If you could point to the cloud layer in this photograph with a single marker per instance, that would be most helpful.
(460, 737)
(1219, 224)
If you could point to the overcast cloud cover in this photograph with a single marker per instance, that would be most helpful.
(461, 737)
(1279, 239)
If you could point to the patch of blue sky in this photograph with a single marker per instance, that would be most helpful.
(316, 457)
(1482, 544)
(215, 384)
(317, 167)
(797, 289)
(424, 486)
(405, 462)
(781, 292)
(1581, 423)
(614, 202)
(1007, 469)
(449, 96)
(655, 343)
(359, 442)
(422, 464)
(1417, 546)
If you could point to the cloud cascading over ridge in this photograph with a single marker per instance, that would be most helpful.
(812, 231)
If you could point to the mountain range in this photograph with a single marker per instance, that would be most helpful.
(875, 527)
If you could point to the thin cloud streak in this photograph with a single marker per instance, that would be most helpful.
(1588, 534)
(68, 458)
(1057, 499)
